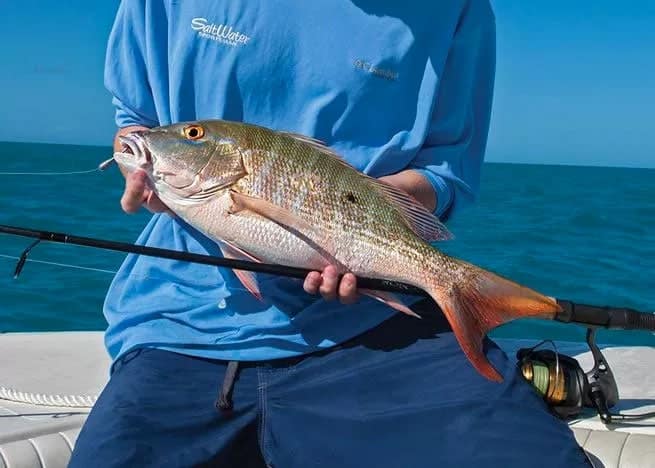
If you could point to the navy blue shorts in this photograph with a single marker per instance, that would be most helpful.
(401, 395)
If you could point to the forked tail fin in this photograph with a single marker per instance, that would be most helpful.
(482, 303)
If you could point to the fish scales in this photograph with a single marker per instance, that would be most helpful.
(325, 193)
(288, 199)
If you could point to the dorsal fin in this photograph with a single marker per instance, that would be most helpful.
(306, 139)
(419, 219)
(319, 146)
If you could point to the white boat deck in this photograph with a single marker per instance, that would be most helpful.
(55, 370)
(65, 371)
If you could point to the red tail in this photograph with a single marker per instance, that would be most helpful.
(484, 303)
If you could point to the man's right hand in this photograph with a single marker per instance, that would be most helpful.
(137, 193)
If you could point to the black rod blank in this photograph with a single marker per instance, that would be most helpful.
(583, 314)
(293, 272)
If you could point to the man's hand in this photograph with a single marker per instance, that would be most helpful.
(137, 192)
(330, 287)
(416, 185)
(346, 290)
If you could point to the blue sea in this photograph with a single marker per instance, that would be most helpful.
(582, 233)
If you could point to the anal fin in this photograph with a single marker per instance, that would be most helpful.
(247, 278)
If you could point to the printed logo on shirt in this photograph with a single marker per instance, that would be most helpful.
(222, 33)
(368, 67)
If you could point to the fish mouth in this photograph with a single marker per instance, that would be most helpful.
(134, 144)
(134, 153)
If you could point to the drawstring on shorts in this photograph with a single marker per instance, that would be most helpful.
(224, 402)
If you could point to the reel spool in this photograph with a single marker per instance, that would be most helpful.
(567, 389)
(559, 379)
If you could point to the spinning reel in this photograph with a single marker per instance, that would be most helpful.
(567, 388)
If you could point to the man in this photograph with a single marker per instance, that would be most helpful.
(403, 92)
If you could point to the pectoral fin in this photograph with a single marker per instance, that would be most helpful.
(289, 221)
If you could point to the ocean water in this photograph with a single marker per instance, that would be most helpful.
(580, 233)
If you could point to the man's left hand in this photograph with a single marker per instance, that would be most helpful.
(327, 282)
(416, 185)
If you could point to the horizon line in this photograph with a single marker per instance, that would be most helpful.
(486, 161)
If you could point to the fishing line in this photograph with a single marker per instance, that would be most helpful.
(49, 173)
(67, 265)
(100, 270)
(537, 373)
(104, 165)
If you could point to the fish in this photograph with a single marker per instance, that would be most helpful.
(279, 197)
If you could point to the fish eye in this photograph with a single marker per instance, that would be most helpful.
(194, 132)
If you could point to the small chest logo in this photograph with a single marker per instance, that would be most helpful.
(368, 67)
(222, 33)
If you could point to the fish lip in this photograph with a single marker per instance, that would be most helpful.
(134, 143)
(134, 153)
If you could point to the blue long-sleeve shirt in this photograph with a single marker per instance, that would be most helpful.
(389, 85)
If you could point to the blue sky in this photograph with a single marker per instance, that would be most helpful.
(575, 80)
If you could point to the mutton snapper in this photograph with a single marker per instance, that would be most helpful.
(284, 198)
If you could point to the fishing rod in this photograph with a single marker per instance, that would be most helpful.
(280, 270)
(560, 380)
(592, 316)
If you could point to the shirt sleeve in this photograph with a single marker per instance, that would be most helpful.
(453, 152)
(126, 71)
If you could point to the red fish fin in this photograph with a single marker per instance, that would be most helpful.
(247, 278)
(418, 218)
(483, 303)
(390, 300)
(249, 281)
(289, 221)
(237, 252)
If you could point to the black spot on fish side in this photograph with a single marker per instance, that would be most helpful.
(350, 197)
